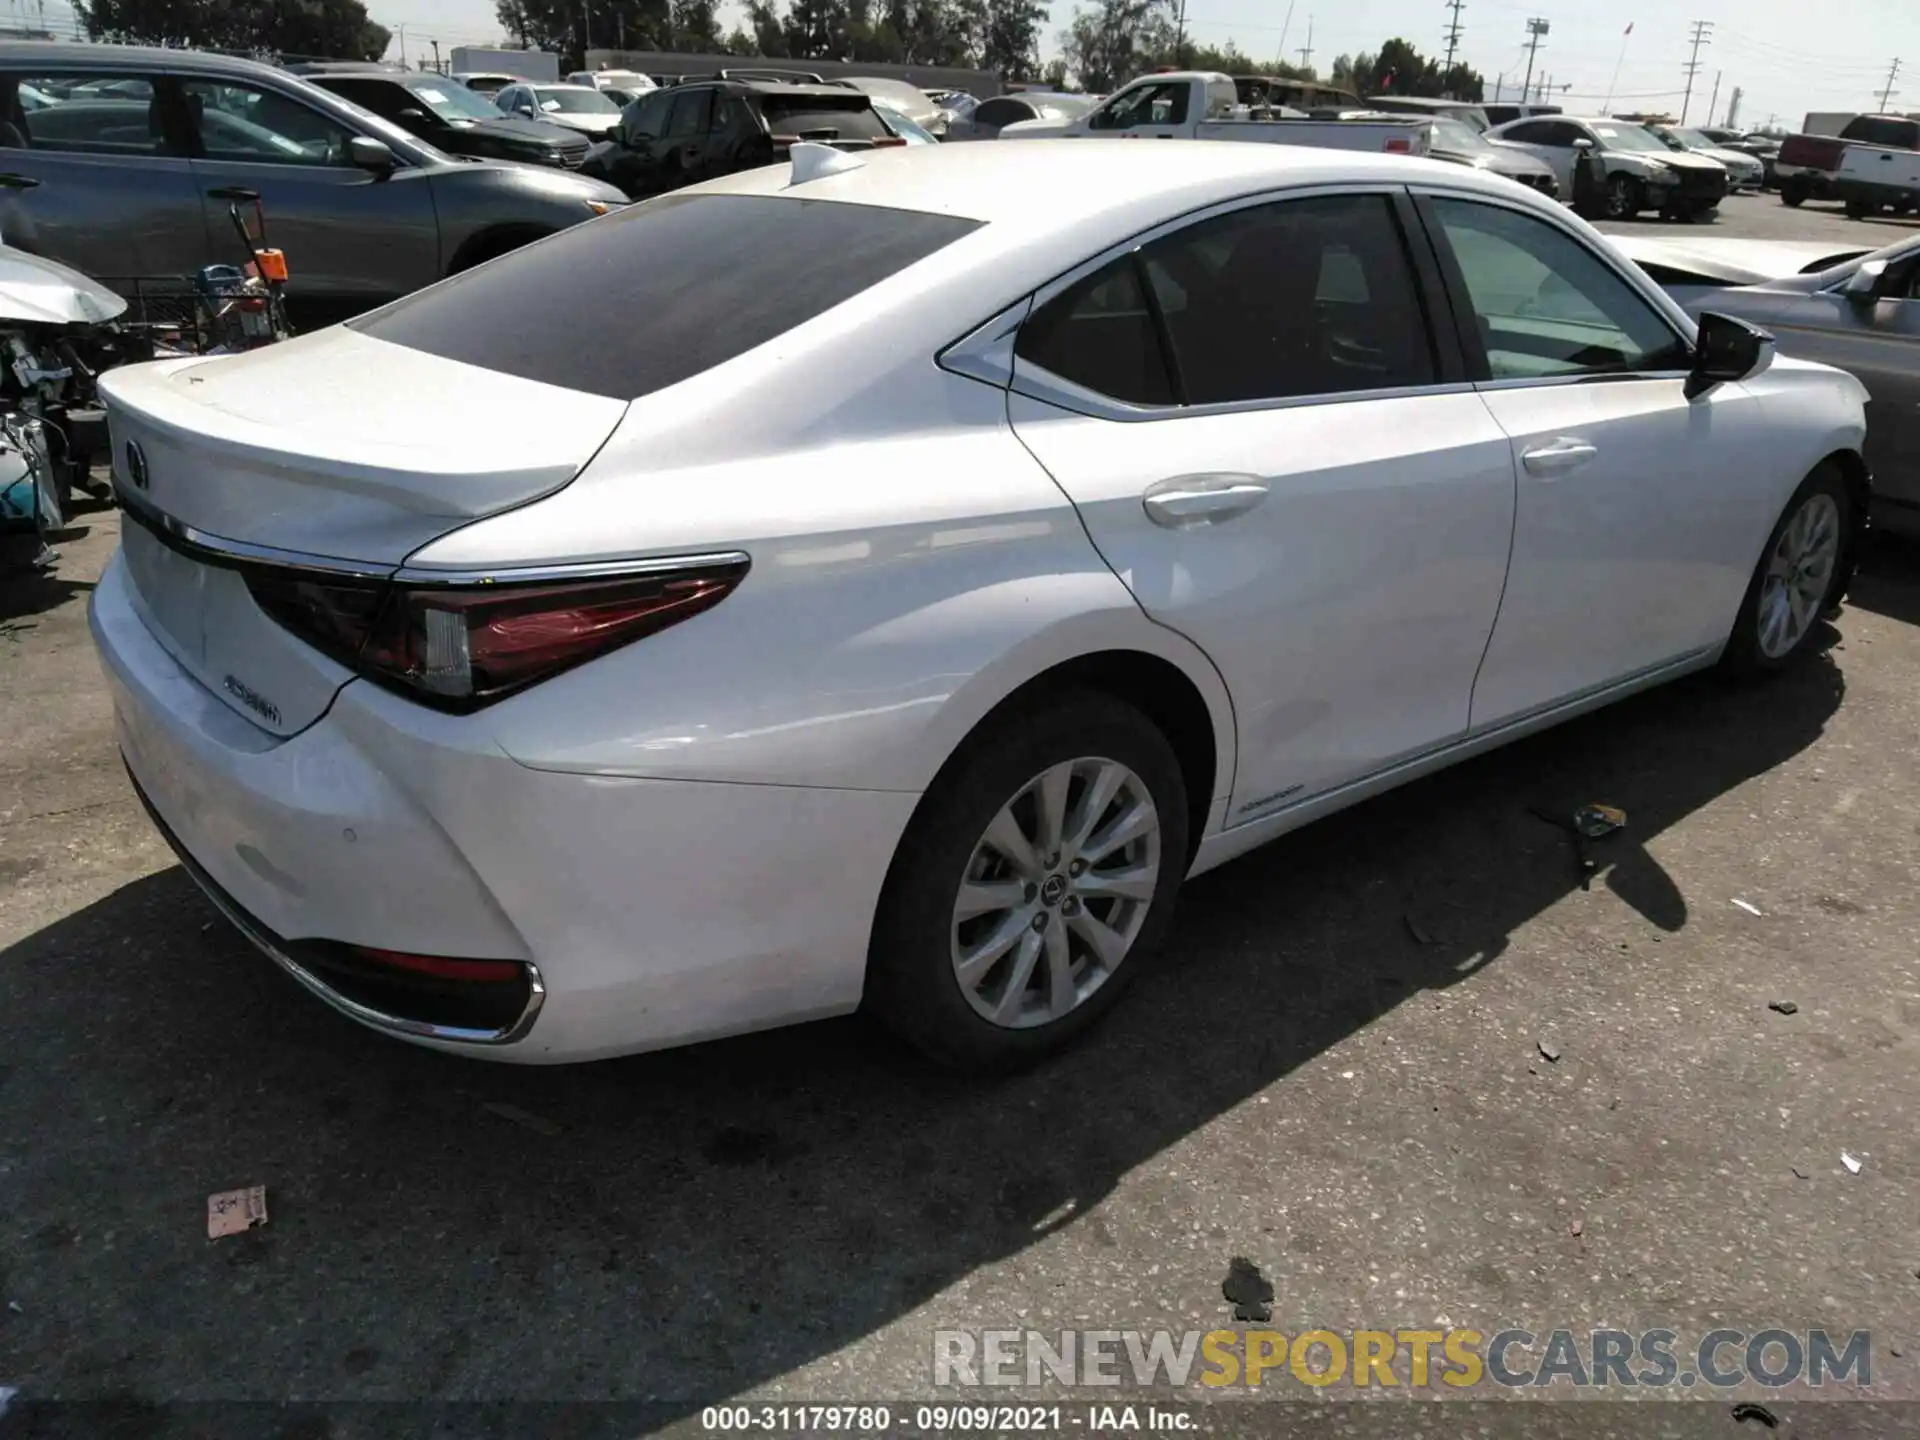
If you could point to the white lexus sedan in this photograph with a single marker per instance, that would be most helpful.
(947, 553)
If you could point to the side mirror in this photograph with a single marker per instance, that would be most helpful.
(1863, 286)
(371, 154)
(1727, 350)
(412, 115)
(1583, 145)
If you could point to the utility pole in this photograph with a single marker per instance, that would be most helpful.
(436, 57)
(1702, 35)
(586, 31)
(1499, 83)
(1733, 107)
(1306, 50)
(1887, 93)
(1536, 28)
(620, 28)
(1453, 34)
(403, 47)
(1713, 104)
(1180, 32)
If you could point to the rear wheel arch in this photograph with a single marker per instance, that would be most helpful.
(1155, 685)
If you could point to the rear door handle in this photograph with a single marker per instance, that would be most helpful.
(238, 193)
(10, 181)
(1557, 457)
(1186, 501)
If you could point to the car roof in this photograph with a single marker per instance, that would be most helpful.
(553, 85)
(19, 54)
(1038, 187)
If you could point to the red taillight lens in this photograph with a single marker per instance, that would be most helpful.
(444, 967)
(458, 647)
(888, 140)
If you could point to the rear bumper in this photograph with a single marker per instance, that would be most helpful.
(646, 913)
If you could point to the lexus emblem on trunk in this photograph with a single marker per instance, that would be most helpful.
(136, 465)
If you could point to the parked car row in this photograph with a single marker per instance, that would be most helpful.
(121, 163)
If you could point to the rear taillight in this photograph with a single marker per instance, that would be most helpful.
(460, 646)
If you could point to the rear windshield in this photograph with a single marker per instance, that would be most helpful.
(1888, 130)
(812, 117)
(693, 280)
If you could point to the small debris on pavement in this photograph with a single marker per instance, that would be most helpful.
(14, 1305)
(1551, 1052)
(233, 1212)
(1747, 905)
(1596, 822)
(1785, 1007)
(518, 1116)
(7, 1392)
(1894, 1350)
(1799, 1173)
(1747, 1410)
(1577, 1228)
(1247, 1290)
(1853, 1165)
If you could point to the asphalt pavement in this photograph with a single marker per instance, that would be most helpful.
(1402, 1062)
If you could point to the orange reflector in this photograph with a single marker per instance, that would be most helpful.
(272, 263)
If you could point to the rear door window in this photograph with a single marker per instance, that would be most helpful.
(690, 108)
(694, 280)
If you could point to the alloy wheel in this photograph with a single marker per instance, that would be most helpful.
(1055, 892)
(1799, 574)
(1620, 198)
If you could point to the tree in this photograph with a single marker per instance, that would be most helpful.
(738, 42)
(1009, 35)
(1109, 45)
(1055, 75)
(1399, 69)
(696, 27)
(336, 29)
(769, 34)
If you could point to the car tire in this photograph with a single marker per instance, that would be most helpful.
(1799, 578)
(1793, 193)
(1859, 209)
(921, 938)
(1626, 197)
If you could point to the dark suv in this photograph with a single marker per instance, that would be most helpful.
(695, 132)
(450, 117)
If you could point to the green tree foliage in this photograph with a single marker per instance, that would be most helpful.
(1399, 69)
(336, 29)
(1117, 40)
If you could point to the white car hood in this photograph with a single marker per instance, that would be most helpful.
(44, 292)
(1735, 262)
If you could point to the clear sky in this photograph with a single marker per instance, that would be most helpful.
(1789, 56)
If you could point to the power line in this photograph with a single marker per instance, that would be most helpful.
(1702, 35)
(1888, 92)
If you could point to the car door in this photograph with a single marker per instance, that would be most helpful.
(354, 237)
(1155, 110)
(97, 180)
(1635, 530)
(684, 147)
(1552, 143)
(1271, 445)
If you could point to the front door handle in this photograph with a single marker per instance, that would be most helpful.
(237, 194)
(10, 181)
(1189, 500)
(1557, 457)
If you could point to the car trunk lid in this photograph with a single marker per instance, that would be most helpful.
(335, 455)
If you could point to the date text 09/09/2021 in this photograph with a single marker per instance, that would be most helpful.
(944, 1419)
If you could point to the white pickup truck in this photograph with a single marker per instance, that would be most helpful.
(1204, 105)
(1875, 177)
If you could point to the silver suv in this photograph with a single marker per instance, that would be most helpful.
(122, 162)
